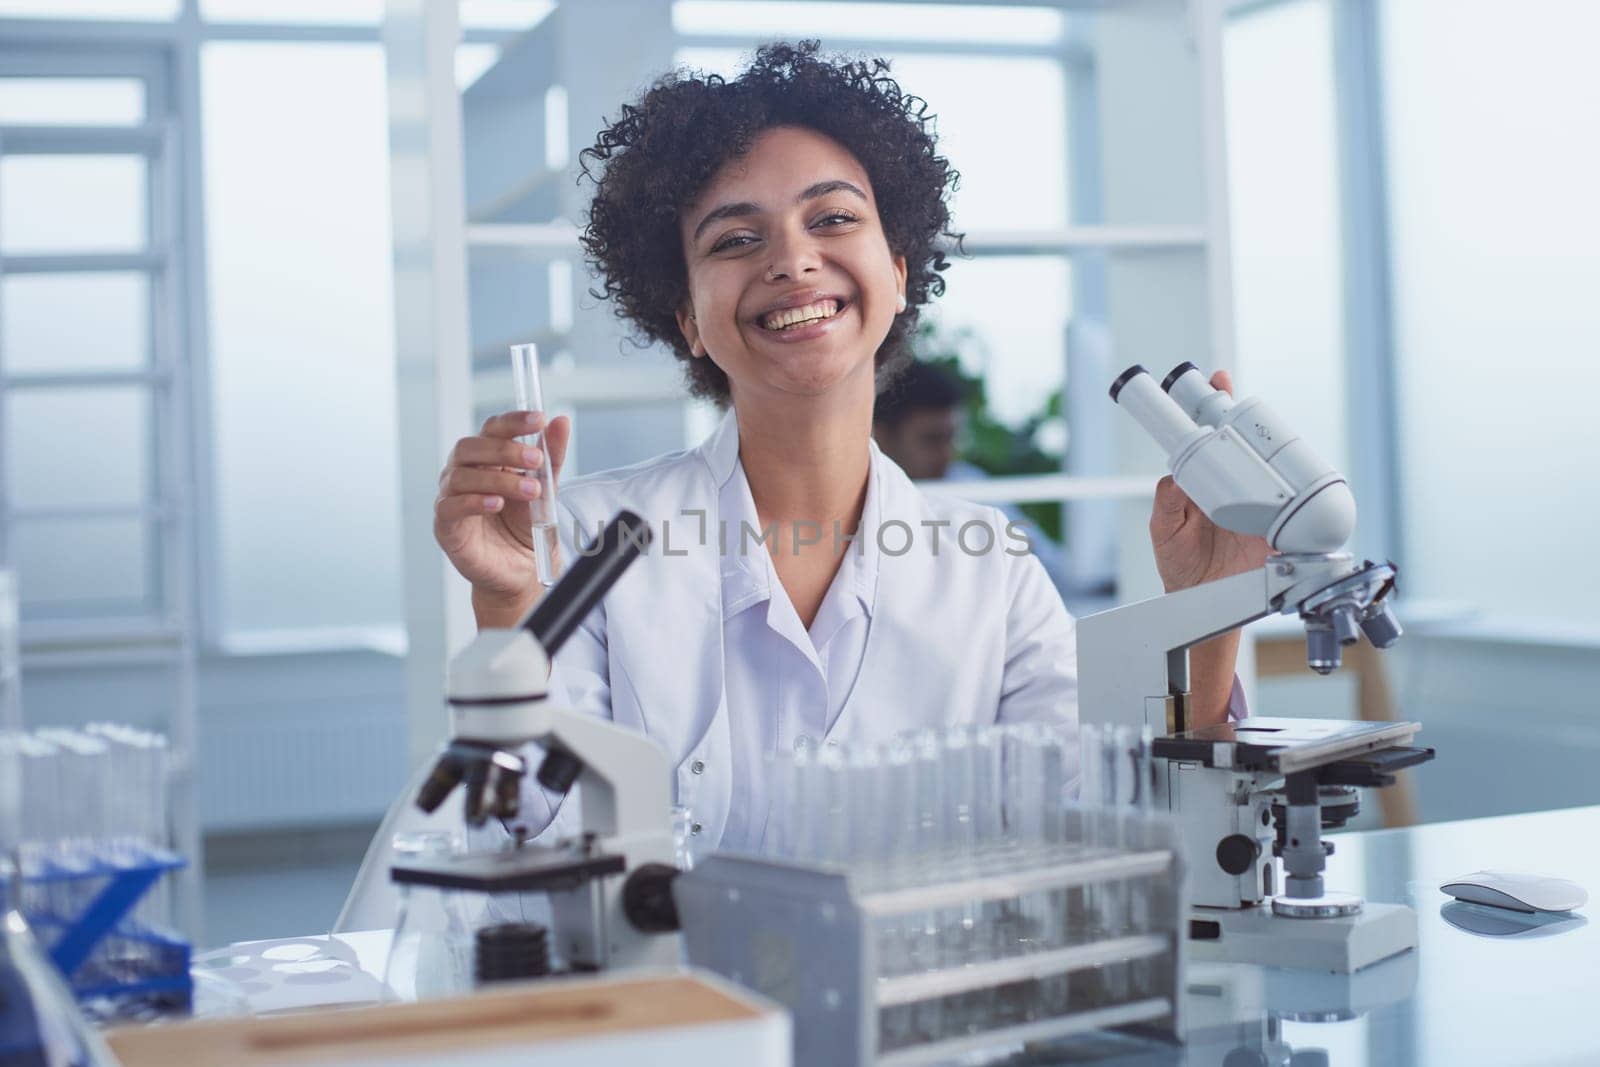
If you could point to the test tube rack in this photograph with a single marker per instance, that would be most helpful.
(98, 946)
(90, 859)
(818, 937)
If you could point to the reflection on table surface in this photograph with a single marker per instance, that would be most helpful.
(1485, 986)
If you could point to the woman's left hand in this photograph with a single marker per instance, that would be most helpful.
(1190, 548)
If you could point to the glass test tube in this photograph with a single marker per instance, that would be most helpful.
(899, 943)
(868, 831)
(1054, 991)
(1120, 758)
(806, 812)
(833, 784)
(1008, 801)
(928, 783)
(1139, 903)
(542, 508)
(10, 655)
(988, 795)
(10, 818)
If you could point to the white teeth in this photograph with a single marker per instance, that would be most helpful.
(792, 317)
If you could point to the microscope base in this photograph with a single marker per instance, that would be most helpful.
(1339, 945)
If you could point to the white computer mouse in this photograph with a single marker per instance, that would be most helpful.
(1519, 892)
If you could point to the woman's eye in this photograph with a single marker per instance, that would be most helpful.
(835, 218)
(734, 240)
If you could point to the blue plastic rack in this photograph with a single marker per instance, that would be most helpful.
(102, 952)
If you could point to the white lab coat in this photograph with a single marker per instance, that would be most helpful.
(955, 638)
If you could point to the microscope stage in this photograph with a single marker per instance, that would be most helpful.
(1282, 746)
(529, 867)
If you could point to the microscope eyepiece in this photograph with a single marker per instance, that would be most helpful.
(1162, 418)
(1189, 388)
(1124, 378)
(1175, 373)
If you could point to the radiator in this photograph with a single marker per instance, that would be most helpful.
(317, 765)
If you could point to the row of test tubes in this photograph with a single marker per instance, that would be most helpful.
(969, 802)
(93, 802)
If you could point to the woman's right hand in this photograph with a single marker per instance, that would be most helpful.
(481, 518)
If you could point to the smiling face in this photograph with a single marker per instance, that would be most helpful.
(792, 286)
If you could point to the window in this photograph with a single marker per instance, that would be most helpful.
(878, 21)
(1495, 228)
(75, 323)
(1005, 185)
(78, 445)
(128, 10)
(55, 204)
(329, 12)
(302, 336)
(85, 396)
(1284, 190)
(71, 569)
(1017, 306)
(474, 14)
(71, 101)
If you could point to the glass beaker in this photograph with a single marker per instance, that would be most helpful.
(431, 954)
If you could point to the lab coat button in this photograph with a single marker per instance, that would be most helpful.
(698, 766)
(696, 828)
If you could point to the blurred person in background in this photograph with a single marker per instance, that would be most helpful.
(918, 422)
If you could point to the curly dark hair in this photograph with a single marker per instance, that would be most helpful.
(660, 153)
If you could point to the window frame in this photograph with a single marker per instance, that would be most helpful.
(166, 54)
(159, 261)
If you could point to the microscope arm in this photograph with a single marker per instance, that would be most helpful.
(1143, 649)
(1133, 661)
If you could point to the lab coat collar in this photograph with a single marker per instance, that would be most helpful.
(744, 567)
(720, 451)
(888, 492)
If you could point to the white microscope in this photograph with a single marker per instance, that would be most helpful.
(1264, 788)
(610, 886)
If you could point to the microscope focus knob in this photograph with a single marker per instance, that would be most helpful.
(1236, 853)
(647, 898)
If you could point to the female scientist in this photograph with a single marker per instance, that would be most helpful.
(778, 231)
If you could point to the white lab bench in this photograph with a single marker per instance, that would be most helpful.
(1511, 991)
